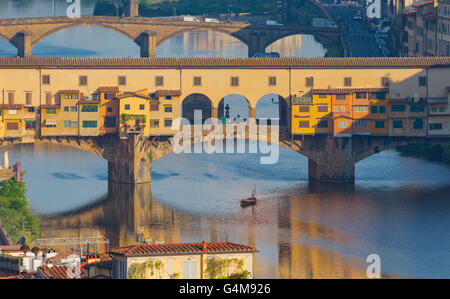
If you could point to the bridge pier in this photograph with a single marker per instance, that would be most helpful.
(131, 8)
(147, 43)
(257, 43)
(22, 41)
(332, 160)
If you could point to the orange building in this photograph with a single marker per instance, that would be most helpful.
(361, 112)
(109, 109)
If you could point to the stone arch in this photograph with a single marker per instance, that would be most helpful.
(38, 39)
(234, 97)
(196, 101)
(280, 108)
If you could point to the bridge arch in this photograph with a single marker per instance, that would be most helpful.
(196, 101)
(295, 41)
(272, 105)
(238, 104)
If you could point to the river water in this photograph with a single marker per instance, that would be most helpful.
(398, 207)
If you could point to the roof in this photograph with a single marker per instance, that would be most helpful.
(149, 63)
(108, 89)
(348, 90)
(54, 272)
(87, 102)
(11, 106)
(48, 106)
(410, 12)
(69, 91)
(181, 249)
(133, 94)
(163, 93)
(419, 4)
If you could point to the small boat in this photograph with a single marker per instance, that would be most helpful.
(250, 201)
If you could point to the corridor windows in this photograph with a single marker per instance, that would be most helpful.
(89, 124)
(197, 81)
(422, 81)
(10, 98)
(122, 80)
(322, 109)
(309, 81)
(159, 81)
(272, 81)
(89, 108)
(304, 124)
(28, 98)
(303, 109)
(46, 79)
(234, 81)
(82, 81)
(348, 82)
(51, 111)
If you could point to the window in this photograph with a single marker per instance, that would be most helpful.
(109, 109)
(154, 123)
(398, 108)
(323, 96)
(417, 108)
(28, 99)
(66, 108)
(168, 97)
(422, 81)
(382, 109)
(12, 111)
(322, 109)
(110, 122)
(385, 82)
(378, 95)
(335, 108)
(418, 124)
(127, 107)
(441, 108)
(361, 95)
(304, 124)
(340, 97)
(154, 106)
(347, 81)
(379, 125)
(189, 269)
(122, 80)
(361, 108)
(141, 107)
(342, 124)
(46, 79)
(51, 111)
(12, 126)
(11, 98)
(342, 108)
(397, 124)
(168, 109)
(89, 124)
(48, 98)
(374, 109)
(109, 96)
(272, 81)
(436, 126)
(30, 125)
(361, 123)
(309, 81)
(303, 109)
(89, 108)
(322, 124)
(30, 109)
(82, 81)
(167, 123)
(197, 81)
(70, 124)
(234, 81)
(159, 81)
(73, 109)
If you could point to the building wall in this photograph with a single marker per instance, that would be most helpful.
(89, 122)
(174, 102)
(134, 110)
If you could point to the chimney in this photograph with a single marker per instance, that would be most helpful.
(204, 246)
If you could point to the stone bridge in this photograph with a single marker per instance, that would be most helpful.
(330, 159)
(149, 33)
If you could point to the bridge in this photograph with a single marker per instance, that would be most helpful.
(149, 33)
(331, 158)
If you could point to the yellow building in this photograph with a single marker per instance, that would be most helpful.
(134, 110)
(379, 123)
(69, 112)
(165, 106)
(12, 120)
(51, 121)
(311, 113)
(186, 261)
(89, 117)
(109, 109)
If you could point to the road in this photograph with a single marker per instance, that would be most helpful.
(359, 41)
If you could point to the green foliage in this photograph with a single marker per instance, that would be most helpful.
(127, 117)
(139, 270)
(438, 153)
(14, 211)
(227, 269)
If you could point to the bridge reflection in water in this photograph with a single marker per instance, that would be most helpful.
(129, 214)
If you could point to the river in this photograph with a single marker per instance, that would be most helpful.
(398, 207)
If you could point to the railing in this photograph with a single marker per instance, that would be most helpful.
(130, 129)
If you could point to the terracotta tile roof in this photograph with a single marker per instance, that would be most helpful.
(11, 106)
(108, 89)
(410, 12)
(69, 91)
(148, 63)
(88, 102)
(177, 249)
(347, 90)
(133, 94)
(163, 93)
(419, 4)
(48, 106)
(54, 272)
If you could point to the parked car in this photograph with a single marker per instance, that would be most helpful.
(358, 17)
